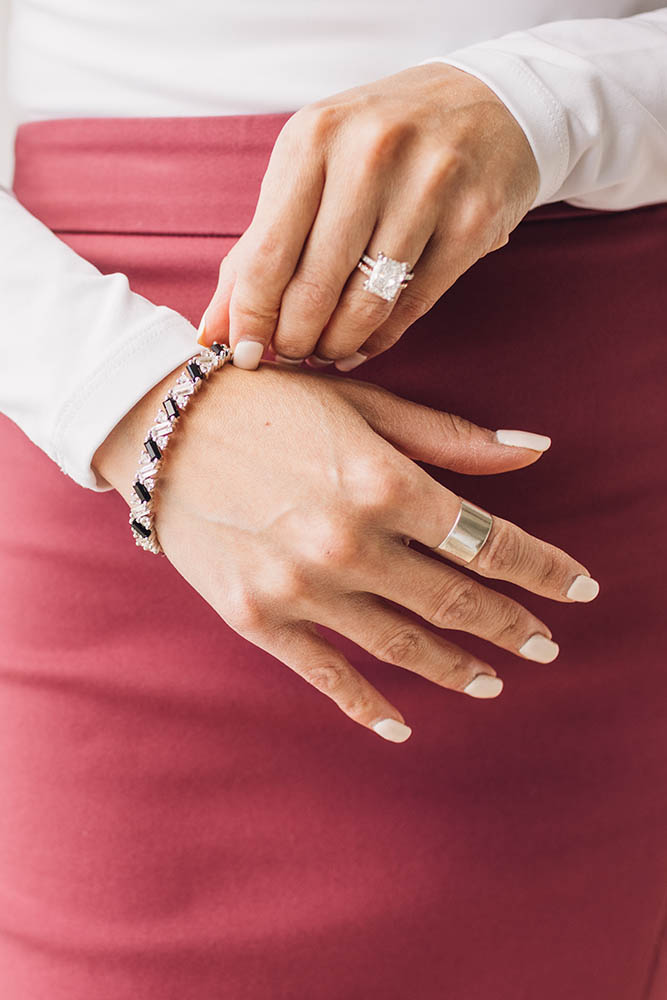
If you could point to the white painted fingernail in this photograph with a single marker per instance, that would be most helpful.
(281, 360)
(247, 354)
(393, 730)
(523, 439)
(351, 361)
(316, 362)
(583, 588)
(484, 686)
(540, 649)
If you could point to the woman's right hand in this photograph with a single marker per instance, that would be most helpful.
(286, 500)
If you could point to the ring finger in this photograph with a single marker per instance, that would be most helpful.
(449, 599)
(402, 238)
(389, 636)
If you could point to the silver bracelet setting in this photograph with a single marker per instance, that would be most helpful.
(190, 380)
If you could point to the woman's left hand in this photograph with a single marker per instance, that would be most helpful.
(427, 166)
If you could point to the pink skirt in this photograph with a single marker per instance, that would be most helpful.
(182, 816)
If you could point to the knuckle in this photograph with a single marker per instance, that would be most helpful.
(383, 138)
(373, 484)
(452, 670)
(503, 552)
(414, 304)
(550, 567)
(267, 259)
(437, 172)
(367, 309)
(333, 544)
(329, 678)
(479, 213)
(245, 612)
(315, 123)
(512, 624)
(402, 645)
(316, 294)
(289, 585)
(458, 606)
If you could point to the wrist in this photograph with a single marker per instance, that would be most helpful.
(116, 458)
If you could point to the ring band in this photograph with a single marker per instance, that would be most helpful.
(469, 532)
(385, 276)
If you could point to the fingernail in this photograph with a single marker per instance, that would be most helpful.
(523, 439)
(484, 686)
(314, 362)
(583, 588)
(202, 329)
(247, 354)
(393, 730)
(287, 361)
(540, 649)
(351, 361)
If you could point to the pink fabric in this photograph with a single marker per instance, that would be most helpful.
(182, 816)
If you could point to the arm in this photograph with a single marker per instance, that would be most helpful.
(77, 348)
(591, 97)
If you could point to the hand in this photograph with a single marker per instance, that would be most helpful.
(286, 500)
(427, 166)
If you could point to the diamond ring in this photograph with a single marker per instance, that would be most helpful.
(386, 276)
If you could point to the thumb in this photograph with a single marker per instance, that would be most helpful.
(440, 438)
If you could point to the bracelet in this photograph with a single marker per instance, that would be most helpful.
(193, 376)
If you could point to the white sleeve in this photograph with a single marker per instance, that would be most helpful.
(77, 348)
(591, 96)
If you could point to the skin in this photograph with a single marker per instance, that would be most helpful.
(427, 166)
(287, 499)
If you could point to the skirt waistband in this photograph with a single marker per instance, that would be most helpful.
(197, 176)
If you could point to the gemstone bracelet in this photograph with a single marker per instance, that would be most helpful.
(193, 376)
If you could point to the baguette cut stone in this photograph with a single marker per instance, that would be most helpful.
(151, 447)
(140, 528)
(386, 277)
(171, 408)
(194, 371)
(142, 492)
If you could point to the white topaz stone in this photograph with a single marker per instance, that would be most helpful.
(386, 277)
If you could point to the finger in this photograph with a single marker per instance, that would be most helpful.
(344, 223)
(216, 315)
(454, 247)
(271, 247)
(440, 438)
(389, 636)
(360, 310)
(448, 599)
(509, 553)
(300, 647)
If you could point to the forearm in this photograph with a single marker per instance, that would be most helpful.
(93, 347)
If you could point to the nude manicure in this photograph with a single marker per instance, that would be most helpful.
(247, 354)
(392, 730)
(540, 649)
(351, 361)
(484, 686)
(523, 439)
(583, 588)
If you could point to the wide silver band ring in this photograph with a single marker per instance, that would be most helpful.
(469, 532)
(385, 276)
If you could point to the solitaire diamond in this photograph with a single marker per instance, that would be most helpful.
(386, 277)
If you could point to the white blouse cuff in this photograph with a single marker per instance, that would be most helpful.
(110, 391)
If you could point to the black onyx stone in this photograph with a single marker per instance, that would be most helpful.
(140, 529)
(216, 347)
(194, 371)
(151, 447)
(170, 408)
(141, 491)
